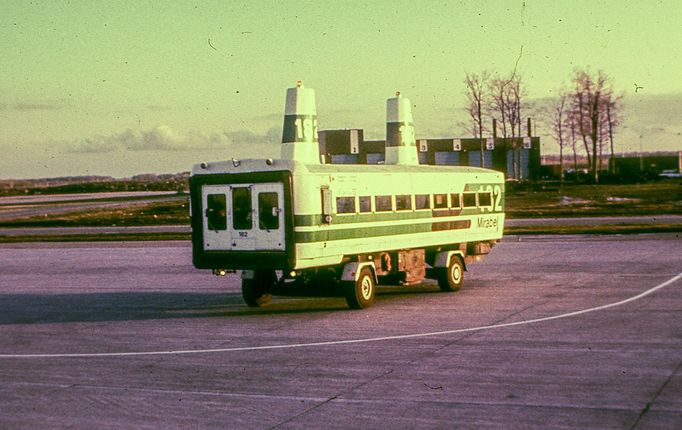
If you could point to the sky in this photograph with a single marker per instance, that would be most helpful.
(126, 87)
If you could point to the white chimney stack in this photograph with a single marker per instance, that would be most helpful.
(299, 135)
(401, 147)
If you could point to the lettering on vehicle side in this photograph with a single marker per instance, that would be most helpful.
(488, 222)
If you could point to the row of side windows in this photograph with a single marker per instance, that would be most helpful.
(407, 202)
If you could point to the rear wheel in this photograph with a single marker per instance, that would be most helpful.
(452, 276)
(256, 291)
(360, 294)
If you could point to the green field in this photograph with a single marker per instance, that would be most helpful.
(662, 197)
(522, 201)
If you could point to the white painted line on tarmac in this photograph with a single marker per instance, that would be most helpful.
(352, 341)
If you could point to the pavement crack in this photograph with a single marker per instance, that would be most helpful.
(656, 394)
(331, 399)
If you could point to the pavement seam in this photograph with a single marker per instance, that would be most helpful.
(331, 399)
(658, 392)
(418, 357)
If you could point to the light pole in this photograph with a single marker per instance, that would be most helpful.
(641, 155)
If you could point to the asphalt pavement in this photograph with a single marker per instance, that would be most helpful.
(548, 332)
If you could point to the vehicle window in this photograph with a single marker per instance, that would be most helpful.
(216, 212)
(403, 202)
(268, 211)
(469, 200)
(365, 204)
(345, 205)
(422, 201)
(485, 199)
(241, 209)
(383, 203)
(455, 202)
(440, 201)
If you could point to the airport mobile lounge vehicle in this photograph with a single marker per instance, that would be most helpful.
(297, 221)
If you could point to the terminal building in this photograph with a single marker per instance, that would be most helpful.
(519, 159)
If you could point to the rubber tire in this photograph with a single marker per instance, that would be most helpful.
(451, 277)
(360, 294)
(256, 291)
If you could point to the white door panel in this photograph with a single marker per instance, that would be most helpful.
(215, 219)
(243, 217)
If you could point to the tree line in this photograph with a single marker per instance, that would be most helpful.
(582, 115)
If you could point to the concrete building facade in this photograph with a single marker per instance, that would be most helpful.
(519, 159)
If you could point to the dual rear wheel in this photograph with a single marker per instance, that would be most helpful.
(257, 291)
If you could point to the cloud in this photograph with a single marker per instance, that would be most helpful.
(245, 137)
(269, 117)
(159, 108)
(165, 138)
(28, 106)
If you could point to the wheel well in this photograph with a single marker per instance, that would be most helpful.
(352, 270)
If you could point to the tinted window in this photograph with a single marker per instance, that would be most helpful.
(454, 201)
(241, 209)
(365, 204)
(422, 201)
(440, 201)
(403, 202)
(268, 211)
(216, 212)
(469, 200)
(383, 203)
(345, 205)
(485, 199)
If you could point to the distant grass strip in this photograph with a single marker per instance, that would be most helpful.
(160, 213)
(114, 199)
(596, 229)
(98, 237)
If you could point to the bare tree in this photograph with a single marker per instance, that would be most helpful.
(594, 109)
(558, 119)
(506, 95)
(475, 93)
(572, 126)
(614, 118)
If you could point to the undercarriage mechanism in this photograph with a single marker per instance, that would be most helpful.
(356, 278)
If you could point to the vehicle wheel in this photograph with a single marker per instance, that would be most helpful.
(452, 276)
(256, 291)
(360, 294)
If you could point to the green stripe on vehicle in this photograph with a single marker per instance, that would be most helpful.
(378, 231)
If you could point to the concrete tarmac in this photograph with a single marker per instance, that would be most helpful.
(211, 362)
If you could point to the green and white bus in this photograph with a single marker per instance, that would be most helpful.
(297, 220)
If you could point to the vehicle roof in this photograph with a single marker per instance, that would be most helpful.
(263, 165)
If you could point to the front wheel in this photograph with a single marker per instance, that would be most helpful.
(452, 276)
(360, 294)
(256, 291)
